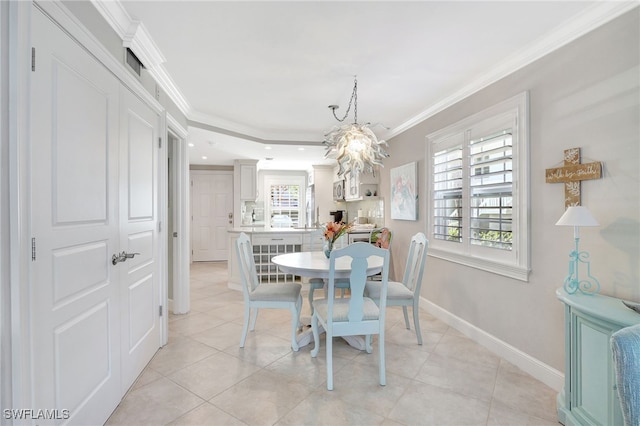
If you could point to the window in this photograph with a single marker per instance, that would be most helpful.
(285, 206)
(284, 200)
(479, 190)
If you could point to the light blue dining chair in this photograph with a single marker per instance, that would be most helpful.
(355, 315)
(407, 292)
(318, 283)
(256, 295)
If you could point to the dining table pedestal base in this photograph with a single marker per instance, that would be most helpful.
(305, 337)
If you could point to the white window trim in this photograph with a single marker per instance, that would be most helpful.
(518, 266)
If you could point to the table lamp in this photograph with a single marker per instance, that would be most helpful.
(578, 216)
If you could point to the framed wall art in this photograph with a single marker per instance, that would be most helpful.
(404, 192)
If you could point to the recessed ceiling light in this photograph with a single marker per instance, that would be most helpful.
(204, 157)
(267, 147)
(191, 145)
(301, 148)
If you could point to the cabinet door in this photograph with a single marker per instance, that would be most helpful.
(593, 398)
(353, 186)
(248, 182)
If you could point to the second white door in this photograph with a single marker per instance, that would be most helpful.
(212, 214)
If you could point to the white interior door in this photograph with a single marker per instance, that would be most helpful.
(94, 188)
(212, 214)
(74, 287)
(140, 277)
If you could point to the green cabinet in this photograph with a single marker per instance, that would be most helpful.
(589, 396)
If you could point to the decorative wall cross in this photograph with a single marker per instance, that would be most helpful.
(572, 173)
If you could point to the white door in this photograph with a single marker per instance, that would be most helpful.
(140, 278)
(212, 214)
(94, 186)
(75, 304)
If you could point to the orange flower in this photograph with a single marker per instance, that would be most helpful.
(334, 230)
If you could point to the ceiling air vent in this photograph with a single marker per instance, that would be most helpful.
(134, 62)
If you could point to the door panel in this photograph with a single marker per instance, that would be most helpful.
(140, 279)
(74, 306)
(211, 204)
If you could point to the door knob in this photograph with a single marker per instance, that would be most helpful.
(117, 258)
(122, 257)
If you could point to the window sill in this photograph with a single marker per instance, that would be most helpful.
(512, 271)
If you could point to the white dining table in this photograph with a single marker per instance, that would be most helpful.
(314, 264)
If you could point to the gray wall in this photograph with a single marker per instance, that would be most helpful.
(585, 95)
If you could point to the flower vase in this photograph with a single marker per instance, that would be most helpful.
(328, 246)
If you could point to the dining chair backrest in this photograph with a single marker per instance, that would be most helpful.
(247, 265)
(359, 253)
(414, 269)
(381, 237)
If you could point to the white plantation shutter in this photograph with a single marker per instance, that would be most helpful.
(447, 190)
(479, 190)
(285, 200)
(491, 190)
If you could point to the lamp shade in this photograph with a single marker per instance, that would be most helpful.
(577, 216)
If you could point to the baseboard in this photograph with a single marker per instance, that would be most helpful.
(539, 370)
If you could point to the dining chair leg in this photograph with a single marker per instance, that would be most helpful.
(295, 315)
(416, 322)
(245, 326)
(406, 317)
(329, 344)
(254, 318)
(381, 361)
(316, 336)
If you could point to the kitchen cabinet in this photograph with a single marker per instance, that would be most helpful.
(246, 172)
(266, 247)
(360, 186)
(589, 396)
(266, 243)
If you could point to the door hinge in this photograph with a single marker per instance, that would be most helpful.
(160, 142)
(159, 226)
(33, 59)
(33, 249)
(160, 310)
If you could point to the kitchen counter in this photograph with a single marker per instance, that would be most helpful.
(268, 230)
(268, 242)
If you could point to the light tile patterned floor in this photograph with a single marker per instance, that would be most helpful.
(202, 377)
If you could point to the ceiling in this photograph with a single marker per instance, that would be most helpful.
(252, 75)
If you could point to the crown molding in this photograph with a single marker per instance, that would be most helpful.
(585, 22)
(138, 39)
(134, 35)
(239, 130)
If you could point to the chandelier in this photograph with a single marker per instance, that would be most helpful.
(354, 146)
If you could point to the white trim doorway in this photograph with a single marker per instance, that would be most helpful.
(178, 239)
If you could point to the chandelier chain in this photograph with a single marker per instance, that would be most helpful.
(354, 101)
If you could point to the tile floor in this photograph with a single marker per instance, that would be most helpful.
(202, 377)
